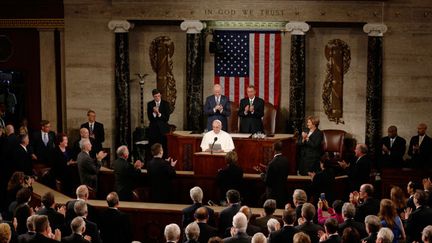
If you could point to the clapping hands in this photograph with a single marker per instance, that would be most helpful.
(172, 161)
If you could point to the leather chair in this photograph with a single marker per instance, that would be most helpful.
(269, 118)
(333, 143)
(233, 120)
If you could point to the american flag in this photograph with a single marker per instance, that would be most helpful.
(248, 58)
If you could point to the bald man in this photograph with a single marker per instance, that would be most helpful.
(217, 136)
(420, 148)
(217, 107)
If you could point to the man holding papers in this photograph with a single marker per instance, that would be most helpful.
(217, 140)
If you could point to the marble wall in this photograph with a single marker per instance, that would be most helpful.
(407, 86)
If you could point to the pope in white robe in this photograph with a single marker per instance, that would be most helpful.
(223, 138)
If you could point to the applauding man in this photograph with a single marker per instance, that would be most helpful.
(217, 107)
(158, 113)
(251, 112)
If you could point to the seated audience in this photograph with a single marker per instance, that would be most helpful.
(397, 196)
(82, 194)
(206, 231)
(78, 227)
(358, 171)
(390, 219)
(306, 223)
(160, 174)
(227, 214)
(365, 203)
(196, 194)
(55, 216)
(192, 232)
(115, 226)
(269, 209)
(286, 233)
(22, 210)
(219, 137)
(325, 212)
(5, 233)
(392, 150)
(231, 176)
(331, 232)
(427, 234)
(238, 230)
(92, 229)
(251, 229)
(88, 167)
(259, 238)
(25, 238)
(301, 237)
(348, 212)
(172, 233)
(126, 174)
(62, 163)
(43, 231)
(373, 225)
(420, 148)
(350, 235)
(272, 226)
(385, 235)
(418, 219)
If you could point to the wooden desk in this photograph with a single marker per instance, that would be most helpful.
(205, 163)
(182, 145)
(400, 177)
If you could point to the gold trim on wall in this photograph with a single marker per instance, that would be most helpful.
(32, 23)
(246, 25)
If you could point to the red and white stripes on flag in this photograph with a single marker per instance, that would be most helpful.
(261, 62)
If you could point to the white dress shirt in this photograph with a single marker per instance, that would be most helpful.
(224, 139)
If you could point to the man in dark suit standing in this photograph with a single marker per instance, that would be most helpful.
(78, 228)
(43, 143)
(331, 229)
(287, 232)
(226, 215)
(358, 171)
(251, 112)
(82, 194)
(92, 229)
(25, 238)
(393, 149)
(238, 231)
(306, 224)
(160, 173)
(126, 174)
(158, 113)
(196, 195)
(206, 231)
(115, 226)
(43, 231)
(96, 129)
(85, 134)
(418, 219)
(21, 156)
(217, 107)
(420, 148)
(56, 217)
(88, 168)
(276, 175)
(365, 203)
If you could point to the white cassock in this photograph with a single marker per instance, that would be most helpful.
(224, 139)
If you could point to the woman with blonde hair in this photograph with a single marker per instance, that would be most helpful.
(390, 219)
(5, 233)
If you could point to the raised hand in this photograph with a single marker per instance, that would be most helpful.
(247, 108)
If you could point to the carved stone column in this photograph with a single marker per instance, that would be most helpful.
(122, 93)
(374, 86)
(297, 100)
(195, 42)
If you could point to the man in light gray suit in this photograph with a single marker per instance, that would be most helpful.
(217, 107)
(88, 168)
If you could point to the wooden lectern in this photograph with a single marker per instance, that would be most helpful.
(205, 163)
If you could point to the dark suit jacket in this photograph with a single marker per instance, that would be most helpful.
(423, 158)
(22, 160)
(55, 218)
(251, 123)
(93, 231)
(230, 177)
(333, 239)
(238, 238)
(88, 169)
(188, 214)
(39, 238)
(310, 152)
(226, 216)
(371, 238)
(125, 178)
(397, 151)
(369, 207)
(416, 222)
(98, 131)
(311, 229)
(160, 174)
(275, 179)
(115, 227)
(70, 213)
(206, 232)
(284, 235)
(158, 125)
(358, 172)
(262, 222)
(360, 227)
(323, 182)
(95, 148)
(21, 213)
(43, 153)
(25, 238)
(222, 116)
(74, 238)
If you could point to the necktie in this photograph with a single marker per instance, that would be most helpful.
(45, 138)
(250, 101)
(91, 127)
(2, 123)
(217, 100)
(420, 139)
(391, 142)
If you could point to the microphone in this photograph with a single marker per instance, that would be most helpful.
(214, 141)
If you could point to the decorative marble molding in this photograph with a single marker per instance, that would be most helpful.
(192, 26)
(32, 23)
(297, 28)
(120, 26)
(256, 25)
(375, 29)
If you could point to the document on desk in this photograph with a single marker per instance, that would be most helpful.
(240, 135)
